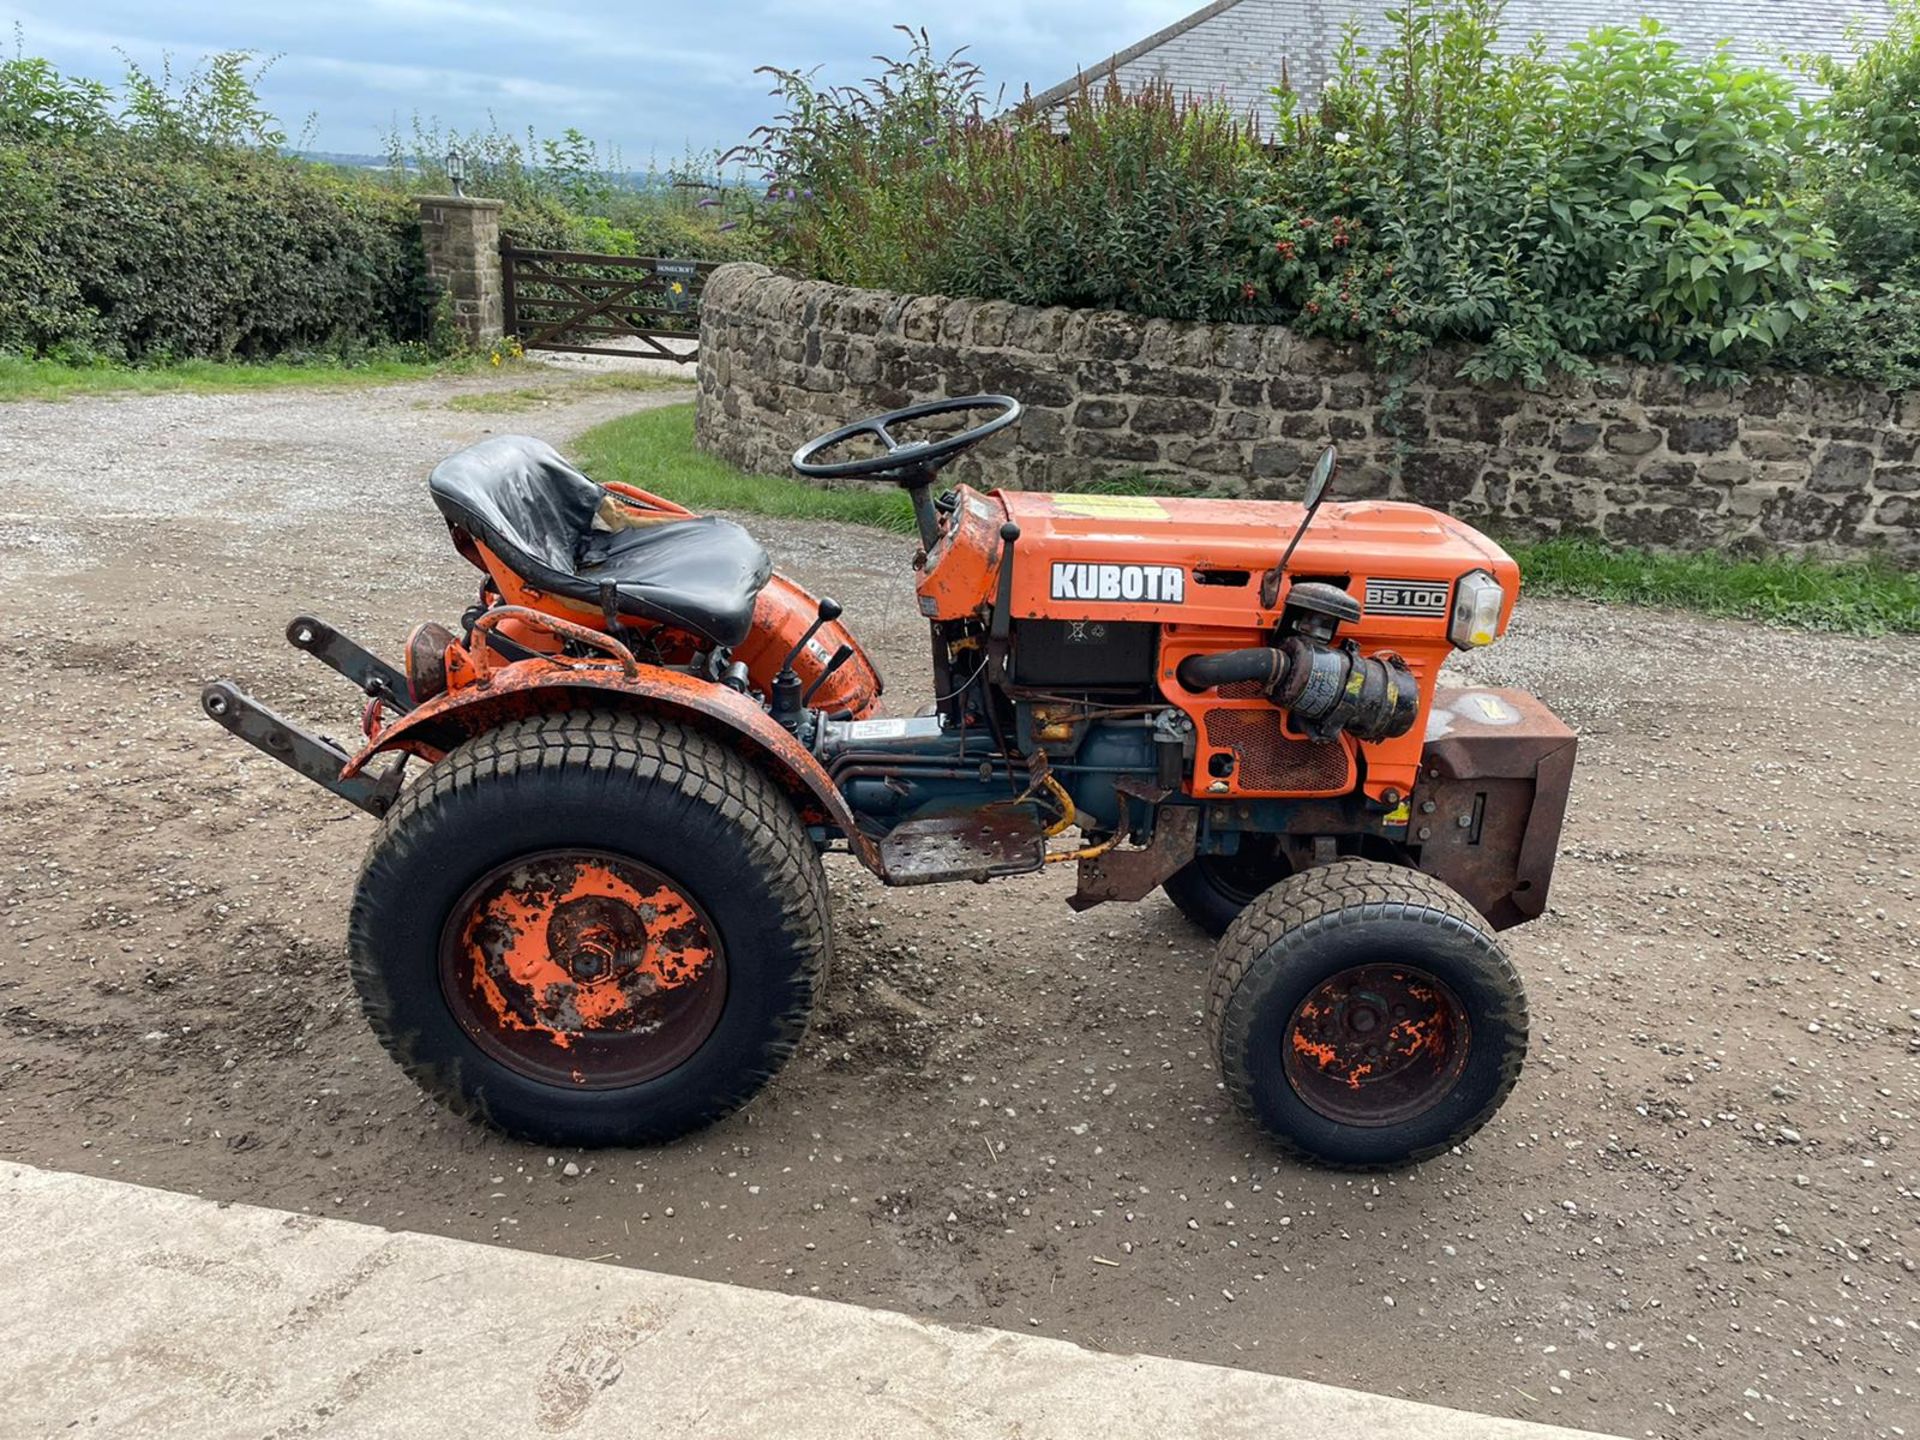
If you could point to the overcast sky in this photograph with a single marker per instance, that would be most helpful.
(649, 77)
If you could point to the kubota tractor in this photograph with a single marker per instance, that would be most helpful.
(598, 915)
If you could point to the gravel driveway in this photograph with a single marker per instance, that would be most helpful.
(1696, 1216)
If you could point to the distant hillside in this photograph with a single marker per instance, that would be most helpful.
(345, 161)
(625, 179)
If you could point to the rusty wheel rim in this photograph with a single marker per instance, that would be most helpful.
(583, 968)
(1376, 1045)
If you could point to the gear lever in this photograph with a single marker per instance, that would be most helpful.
(787, 701)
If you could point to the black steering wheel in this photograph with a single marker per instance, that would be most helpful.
(915, 457)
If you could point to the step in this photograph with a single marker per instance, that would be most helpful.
(129, 1311)
(980, 845)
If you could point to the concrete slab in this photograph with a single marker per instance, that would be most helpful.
(128, 1311)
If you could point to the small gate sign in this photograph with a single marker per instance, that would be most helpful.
(676, 282)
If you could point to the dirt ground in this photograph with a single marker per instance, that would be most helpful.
(1696, 1216)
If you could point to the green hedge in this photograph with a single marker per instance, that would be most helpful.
(118, 251)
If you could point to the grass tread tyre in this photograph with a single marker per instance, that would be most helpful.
(1253, 956)
(1205, 900)
(700, 801)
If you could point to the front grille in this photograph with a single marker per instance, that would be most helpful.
(1270, 760)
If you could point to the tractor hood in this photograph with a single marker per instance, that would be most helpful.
(1175, 560)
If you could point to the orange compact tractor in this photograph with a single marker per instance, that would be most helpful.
(599, 915)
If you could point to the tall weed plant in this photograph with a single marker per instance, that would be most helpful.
(567, 192)
(1629, 198)
(912, 181)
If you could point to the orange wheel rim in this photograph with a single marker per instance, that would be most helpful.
(1376, 1045)
(583, 968)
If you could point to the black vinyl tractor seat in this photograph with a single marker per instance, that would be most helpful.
(544, 520)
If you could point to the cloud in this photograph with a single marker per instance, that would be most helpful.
(647, 79)
(419, 81)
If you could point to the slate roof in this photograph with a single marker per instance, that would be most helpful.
(1235, 48)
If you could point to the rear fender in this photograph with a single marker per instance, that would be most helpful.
(781, 616)
(542, 686)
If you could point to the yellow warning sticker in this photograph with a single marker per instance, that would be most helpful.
(1111, 507)
(1398, 815)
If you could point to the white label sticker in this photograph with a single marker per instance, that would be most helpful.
(875, 729)
(1481, 708)
(1154, 584)
(1110, 507)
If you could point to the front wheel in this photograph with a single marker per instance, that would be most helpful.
(1364, 1015)
(591, 929)
(1212, 890)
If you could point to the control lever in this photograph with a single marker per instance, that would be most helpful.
(840, 657)
(1002, 625)
(786, 700)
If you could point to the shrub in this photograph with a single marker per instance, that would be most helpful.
(1869, 175)
(175, 230)
(1625, 199)
(849, 169)
(1133, 204)
(124, 255)
(1872, 164)
(37, 102)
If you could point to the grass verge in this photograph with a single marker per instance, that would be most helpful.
(654, 450)
(22, 379)
(1864, 598)
(563, 391)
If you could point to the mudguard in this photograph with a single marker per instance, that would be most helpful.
(540, 686)
(1485, 814)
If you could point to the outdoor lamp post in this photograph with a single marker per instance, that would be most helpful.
(457, 170)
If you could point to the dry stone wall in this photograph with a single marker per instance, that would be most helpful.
(1639, 456)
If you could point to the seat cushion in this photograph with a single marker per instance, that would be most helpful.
(533, 510)
(705, 572)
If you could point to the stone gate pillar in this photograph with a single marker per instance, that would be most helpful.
(462, 237)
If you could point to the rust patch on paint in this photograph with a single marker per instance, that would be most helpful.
(568, 947)
(1376, 1044)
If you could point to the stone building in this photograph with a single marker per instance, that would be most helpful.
(1235, 49)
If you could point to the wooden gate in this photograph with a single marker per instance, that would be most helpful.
(566, 300)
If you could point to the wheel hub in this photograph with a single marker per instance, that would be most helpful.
(582, 967)
(599, 935)
(1376, 1045)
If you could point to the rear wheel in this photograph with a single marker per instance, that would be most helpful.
(1212, 890)
(591, 929)
(1364, 1015)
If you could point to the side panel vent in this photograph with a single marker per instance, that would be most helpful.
(1269, 761)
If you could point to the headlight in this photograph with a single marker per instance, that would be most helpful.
(1477, 601)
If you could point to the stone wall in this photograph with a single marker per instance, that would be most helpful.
(1780, 464)
(462, 239)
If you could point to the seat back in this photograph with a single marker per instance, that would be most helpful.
(520, 499)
